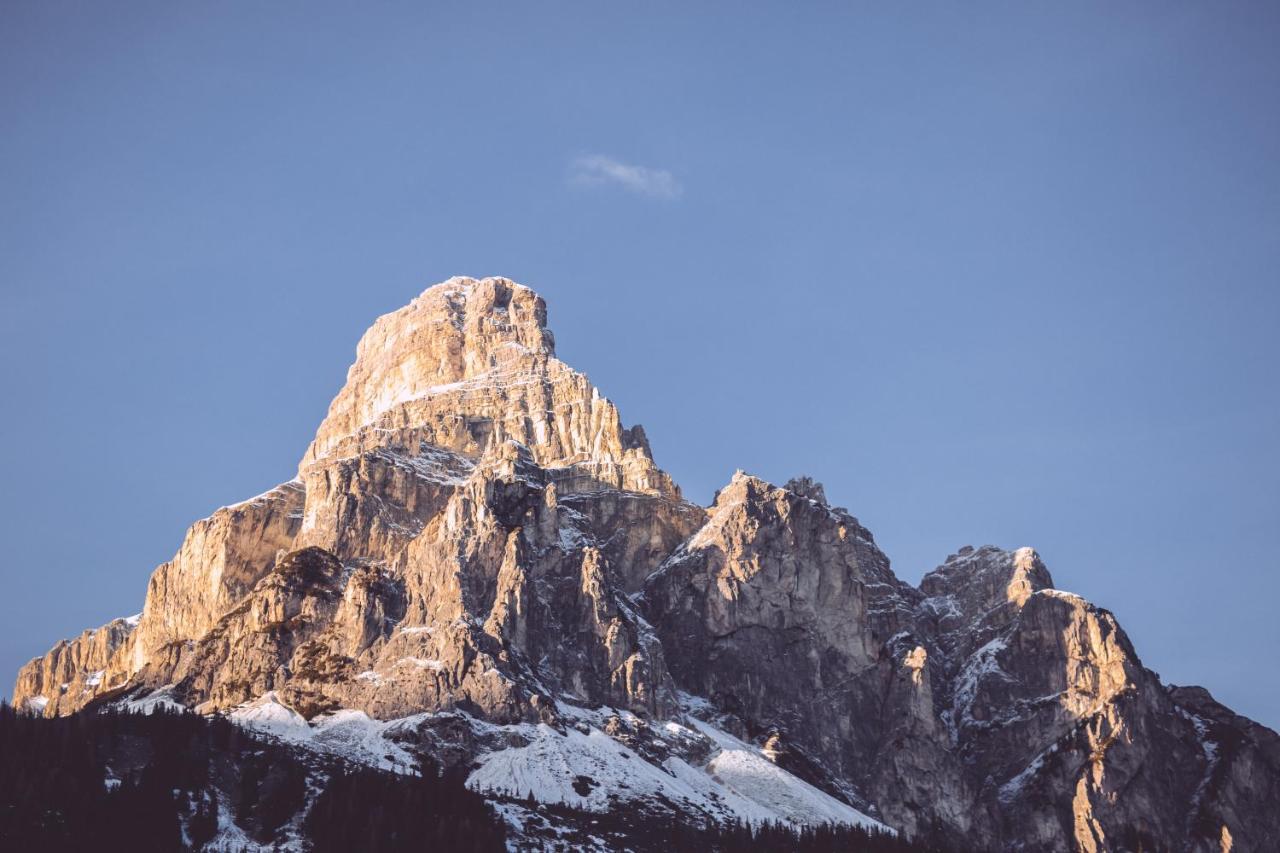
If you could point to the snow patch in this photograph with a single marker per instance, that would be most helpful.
(941, 607)
(350, 734)
(1010, 790)
(744, 770)
(230, 838)
(570, 539)
(980, 665)
(1209, 748)
(432, 464)
(295, 483)
(268, 715)
(150, 702)
(1060, 593)
(585, 768)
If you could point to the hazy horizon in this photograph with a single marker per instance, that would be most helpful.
(997, 276)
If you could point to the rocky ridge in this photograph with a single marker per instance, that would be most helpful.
(477, 560)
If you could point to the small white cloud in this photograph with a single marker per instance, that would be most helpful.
(597, 170)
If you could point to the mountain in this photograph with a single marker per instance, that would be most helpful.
(477, 563)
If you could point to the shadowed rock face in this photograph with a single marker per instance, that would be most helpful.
(780, 606)
(474, 529)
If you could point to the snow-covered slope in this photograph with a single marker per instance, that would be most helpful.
(692, 765)
(353, 735)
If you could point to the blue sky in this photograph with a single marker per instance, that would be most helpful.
(992, 272)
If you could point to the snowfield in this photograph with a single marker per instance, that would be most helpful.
(582, 766)
(777, 794)
(353, 735)
(594, 772)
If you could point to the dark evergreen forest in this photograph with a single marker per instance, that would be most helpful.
(169, 780)
(119, 781)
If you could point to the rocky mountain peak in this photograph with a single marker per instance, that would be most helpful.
(988, 577)
(468, 365)
(480, 564)
(808, 487)
(460, 332)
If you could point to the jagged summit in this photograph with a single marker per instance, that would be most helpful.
(808, 487)
(469, 364)
(990, 574)
(479, 563)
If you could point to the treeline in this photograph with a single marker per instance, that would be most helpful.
(171, 781)
(377, 812)
(59, 789)
(776, 838)
(629, 829)
(174, 780)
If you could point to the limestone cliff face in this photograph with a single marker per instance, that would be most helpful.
(73, 671)
(485, 595)
(220, 560)
(470, 364)
(474, 530)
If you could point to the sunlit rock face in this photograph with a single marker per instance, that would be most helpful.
(474, 534)
(71, 673)
(469, 365)
(220, 561)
